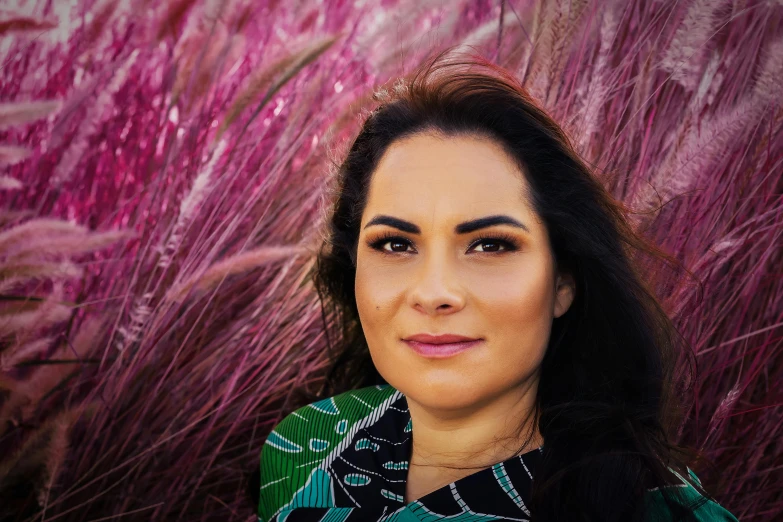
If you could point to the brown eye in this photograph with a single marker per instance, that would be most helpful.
(508, 244)
(493, 246)
(403, 245)
(398, 245)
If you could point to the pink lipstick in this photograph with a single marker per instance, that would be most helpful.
(440, 346)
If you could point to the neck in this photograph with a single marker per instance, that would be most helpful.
(478, 436)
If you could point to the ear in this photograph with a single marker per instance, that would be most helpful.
(565, 291)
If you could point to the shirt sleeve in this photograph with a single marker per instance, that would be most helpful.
(709, 511)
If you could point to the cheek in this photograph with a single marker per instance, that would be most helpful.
(365, 299)
(377, 301)
(376, 295)
(379, 282)
(513, 309)
(515, 298)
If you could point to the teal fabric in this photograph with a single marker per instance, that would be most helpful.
(344, 459)
(708, 511)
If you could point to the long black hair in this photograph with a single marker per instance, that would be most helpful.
(609, 400)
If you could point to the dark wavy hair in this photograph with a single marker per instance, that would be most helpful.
(609, 401)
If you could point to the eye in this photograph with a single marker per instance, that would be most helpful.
(394, 241)
(496, 244)
(506, 242)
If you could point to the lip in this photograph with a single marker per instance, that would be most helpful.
(439, 339)
(440, 346)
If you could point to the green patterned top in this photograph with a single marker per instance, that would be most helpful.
(345, 458)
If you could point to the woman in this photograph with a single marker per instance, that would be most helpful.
(501, 357)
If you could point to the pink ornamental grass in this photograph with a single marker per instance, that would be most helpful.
(163, 212)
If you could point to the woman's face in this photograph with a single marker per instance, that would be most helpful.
(432, 279)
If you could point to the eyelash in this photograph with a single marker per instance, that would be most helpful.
(508, 241)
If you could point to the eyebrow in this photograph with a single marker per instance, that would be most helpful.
(463, 228)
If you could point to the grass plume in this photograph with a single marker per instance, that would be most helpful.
(156, 234)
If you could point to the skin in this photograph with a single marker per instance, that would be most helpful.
(466, 410)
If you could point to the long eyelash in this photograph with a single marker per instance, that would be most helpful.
(508, 241)
(378, 243)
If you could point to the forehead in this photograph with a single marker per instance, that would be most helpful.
(444, 177)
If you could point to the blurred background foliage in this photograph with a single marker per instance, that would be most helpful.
(165, 170)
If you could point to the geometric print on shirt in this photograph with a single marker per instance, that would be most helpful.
(345, 459)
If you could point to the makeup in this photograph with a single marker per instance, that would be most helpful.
(440, 351)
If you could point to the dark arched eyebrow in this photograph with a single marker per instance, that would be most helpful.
(463, 228)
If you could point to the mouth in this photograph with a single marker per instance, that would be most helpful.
(441, 350)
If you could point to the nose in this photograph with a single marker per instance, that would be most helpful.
(435, 287)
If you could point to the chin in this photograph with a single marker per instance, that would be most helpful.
(451, 393)
(445, 403)
(445, 384)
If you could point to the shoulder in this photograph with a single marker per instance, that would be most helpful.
(309, 437)
(326, 421)
(705, 510)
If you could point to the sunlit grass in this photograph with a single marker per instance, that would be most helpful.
(164, 178)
